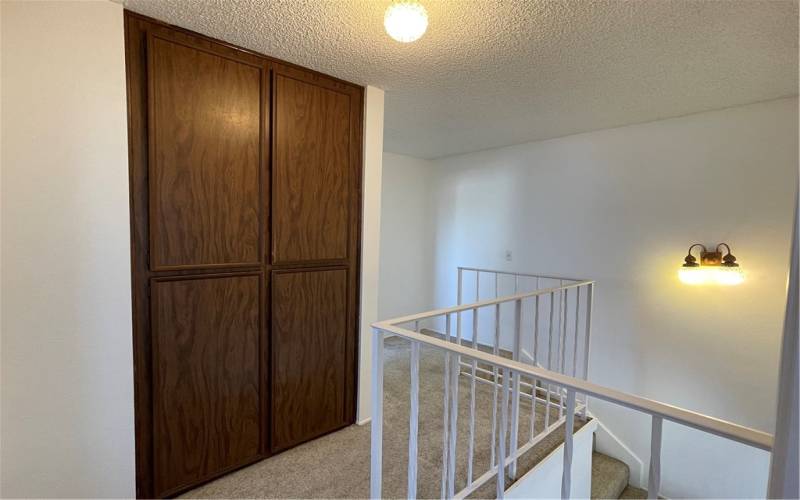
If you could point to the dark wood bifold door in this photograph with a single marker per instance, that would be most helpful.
(245, 214)
(315, 201)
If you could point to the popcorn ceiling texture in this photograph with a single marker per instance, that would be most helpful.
(491, 73)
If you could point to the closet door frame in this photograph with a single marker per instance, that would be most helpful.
(138, 29)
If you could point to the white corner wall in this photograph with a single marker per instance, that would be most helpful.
(621, 206)
(370, 243)
(407, 237)
(544, 479)
(67, 372)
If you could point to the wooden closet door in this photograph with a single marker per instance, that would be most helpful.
(316, 179)
(245, 224)
(200, 201)
(205, 213)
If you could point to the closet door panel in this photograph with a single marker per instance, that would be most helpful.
(205, 142)
(309, 357)
(312, 172)
(206, 382)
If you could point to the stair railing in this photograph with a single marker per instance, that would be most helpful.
(558, 385)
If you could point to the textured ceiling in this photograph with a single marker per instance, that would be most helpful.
(490, 73)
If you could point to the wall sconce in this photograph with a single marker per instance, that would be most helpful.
(713, 267)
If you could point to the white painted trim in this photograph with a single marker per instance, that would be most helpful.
(556, 455)
(370, 241)
(365, 421)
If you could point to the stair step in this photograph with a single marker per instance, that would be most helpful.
(609, 476)
(633, 492)
(529, 459)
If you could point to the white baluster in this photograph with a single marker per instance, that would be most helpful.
(562, 347)
(535, 361)
(474, 363)
(654, 480)
(455, 370)
(376, 456)
(458, 314)
(575, 339)
(549, 361)
(587, 335)
(413, 424)
(495, 351)
(445, 412)
(566, 477)
(501, 459)
(515, 389)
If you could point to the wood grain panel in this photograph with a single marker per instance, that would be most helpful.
(311, 172)
(309, 358)
(205, 135)
(206, 394)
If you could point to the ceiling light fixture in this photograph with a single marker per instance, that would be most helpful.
(713, 267)
(406, 20)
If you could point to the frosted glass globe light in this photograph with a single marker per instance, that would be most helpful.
(406, 21)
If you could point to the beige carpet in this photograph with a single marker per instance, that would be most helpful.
(337, 465)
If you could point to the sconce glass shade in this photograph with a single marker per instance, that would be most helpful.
(720, 275)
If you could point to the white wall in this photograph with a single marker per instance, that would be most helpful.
(67, 376)
(406, 260)
(622, 206)
(544, 479)
(370, 243)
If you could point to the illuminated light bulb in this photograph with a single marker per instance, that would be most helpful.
(729, 276)
(692, 275)
(406, 21)
(705, 275)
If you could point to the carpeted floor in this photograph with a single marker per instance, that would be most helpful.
(337, 465)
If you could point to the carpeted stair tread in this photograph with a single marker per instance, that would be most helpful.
(609, 476)
(529, 459)
(633, 492)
